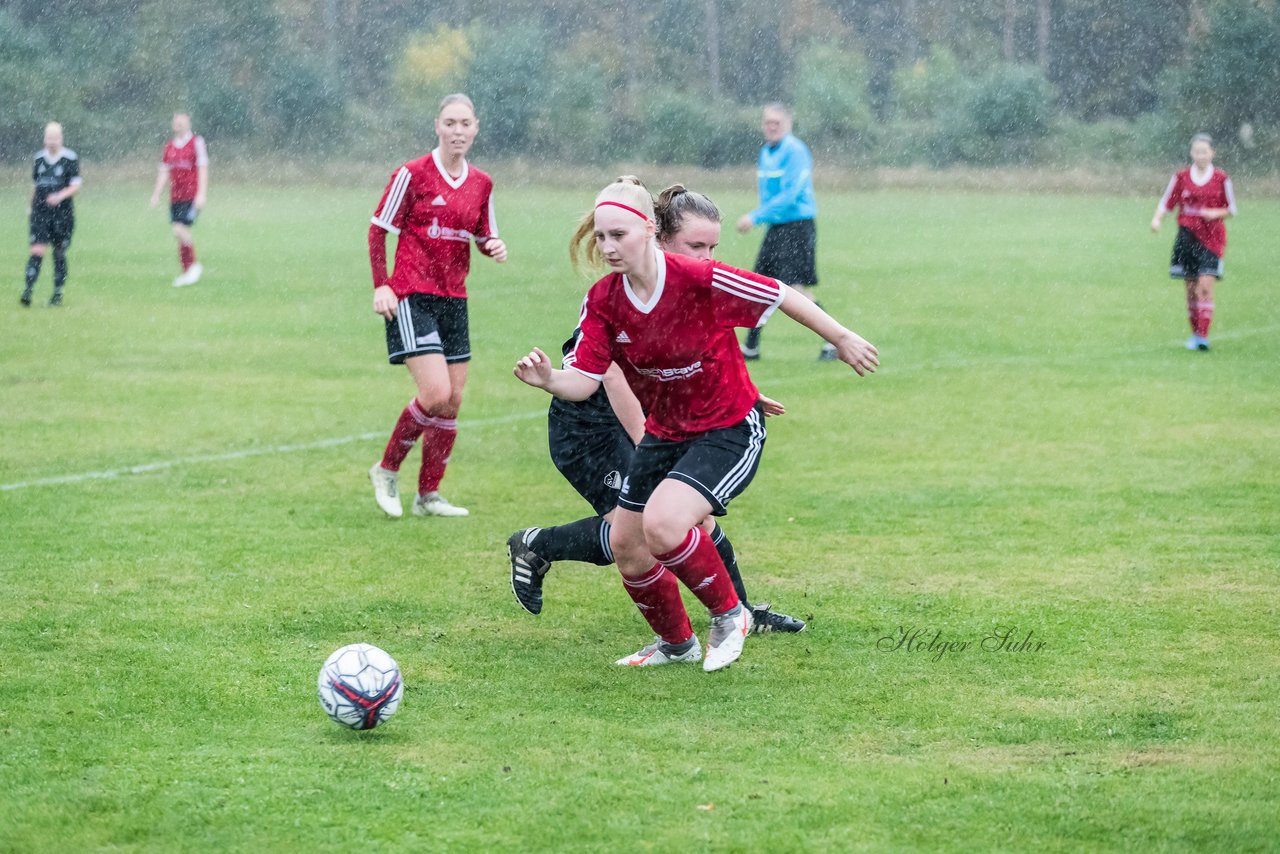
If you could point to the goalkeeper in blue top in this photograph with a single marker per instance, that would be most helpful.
(785, 179)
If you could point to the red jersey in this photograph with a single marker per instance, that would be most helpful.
(678, 350)
(183, 159)
(1195, 193)
(436, 217)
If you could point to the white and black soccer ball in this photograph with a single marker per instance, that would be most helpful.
(360, 686)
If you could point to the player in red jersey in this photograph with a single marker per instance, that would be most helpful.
(436, 205)
(593, 441)
(185, 166)
(668, 322)
(1206, 198)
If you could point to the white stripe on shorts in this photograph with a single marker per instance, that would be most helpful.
(724, 489)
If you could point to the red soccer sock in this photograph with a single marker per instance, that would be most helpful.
(438, 436)
(408, 428)
(1193, 313)
(1204, 317)
(697, 563)
(187, 255)
(657, 595)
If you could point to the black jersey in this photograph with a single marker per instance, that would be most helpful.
(594, 412)
(54, 174)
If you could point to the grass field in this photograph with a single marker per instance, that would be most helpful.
(186, 531)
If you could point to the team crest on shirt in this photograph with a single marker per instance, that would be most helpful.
(623, 337)
(436, 231)
(613, 480)
(439, 200)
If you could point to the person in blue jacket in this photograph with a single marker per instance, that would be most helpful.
(784, 177)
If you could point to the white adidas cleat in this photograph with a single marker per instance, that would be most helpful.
(654, 655)
(385, 490)
(184, 280)
(724, 643)
(195, 271)
(435, 504)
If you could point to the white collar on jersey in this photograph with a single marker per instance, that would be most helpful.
(179, 141)
(646, 307)
(444, 173)
(1201, 178)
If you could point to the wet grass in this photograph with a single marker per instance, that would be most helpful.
(1039, 552)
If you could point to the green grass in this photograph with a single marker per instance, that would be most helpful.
(1037, 452)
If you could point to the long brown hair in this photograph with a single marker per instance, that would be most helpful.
(676, 204)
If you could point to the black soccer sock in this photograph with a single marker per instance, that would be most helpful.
(586, 540)
(33, 271)
(725, 548)
(753, 339)
(59, 268)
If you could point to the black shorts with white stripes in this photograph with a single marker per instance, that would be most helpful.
(718, 464)
(425, 324)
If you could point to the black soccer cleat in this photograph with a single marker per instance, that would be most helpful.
(764, 620)
(25, 299)
(55, 300)
(527, 570)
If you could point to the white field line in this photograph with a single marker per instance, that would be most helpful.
(267, 450)
(940, 364)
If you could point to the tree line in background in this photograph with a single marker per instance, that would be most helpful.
(893, 82)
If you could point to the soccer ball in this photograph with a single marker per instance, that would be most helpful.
(360, 686)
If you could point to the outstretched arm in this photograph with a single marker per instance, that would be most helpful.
(852, 349)
(535, 370)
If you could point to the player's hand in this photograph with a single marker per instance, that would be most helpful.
(771, 406)
(385, 302)
(155, 200)
(745, 224)
(534, 369)
(857, 352)
(198, 201)
(497, 249)
(1155, 224)
(53, 202)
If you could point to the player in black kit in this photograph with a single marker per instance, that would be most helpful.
(56, 173)
(592, 443)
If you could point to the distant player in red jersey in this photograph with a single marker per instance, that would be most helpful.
(185, 167)
(668, 322)
(437, 205)
(1205, 198)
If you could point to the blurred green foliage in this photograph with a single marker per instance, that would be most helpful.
(890, 81)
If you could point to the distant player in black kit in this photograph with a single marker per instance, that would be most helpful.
(592, 443)
(56, 174)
